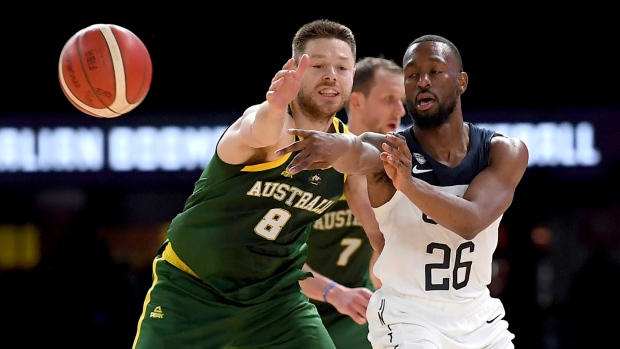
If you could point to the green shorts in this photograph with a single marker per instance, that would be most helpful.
(181, 312)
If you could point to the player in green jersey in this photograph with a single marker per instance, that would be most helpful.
(228, 274)
(339, 252)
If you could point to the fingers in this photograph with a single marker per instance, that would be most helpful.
(396, 156)
(392, 160)
(280, 75)
(303, 64)
(396, 145)
(359, 319)
(396, 136)
(390, 152)
(302, 162)
(393, 157)
(275, 85)
(288, 69)
(305, 159)
(299, 145)
(357, 312)
(299, 132)
(286, 82)
(359, 307)
(289, 65)
(396, 140)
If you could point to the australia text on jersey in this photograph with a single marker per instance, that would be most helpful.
(291, 196)
(335, 220)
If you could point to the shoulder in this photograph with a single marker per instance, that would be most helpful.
(499, 142)
(509, 153)
(510, 145)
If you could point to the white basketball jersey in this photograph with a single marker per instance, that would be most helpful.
(422, 258)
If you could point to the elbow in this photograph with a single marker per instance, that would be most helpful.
(470, 230)
(473, 221)
(469, 234)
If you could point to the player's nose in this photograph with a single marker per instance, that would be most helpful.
(399, 109)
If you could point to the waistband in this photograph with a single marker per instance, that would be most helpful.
(171, 257)
(463, 308)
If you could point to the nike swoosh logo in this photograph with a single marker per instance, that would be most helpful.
(415, 170)
(493, 319)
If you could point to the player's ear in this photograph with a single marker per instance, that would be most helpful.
(463, 79)
(356, 100)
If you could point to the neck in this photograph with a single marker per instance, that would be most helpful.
(306, 122)
(448, 143)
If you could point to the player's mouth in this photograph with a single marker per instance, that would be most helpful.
(424, 101)
(329, 92)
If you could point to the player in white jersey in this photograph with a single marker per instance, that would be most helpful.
(439, 190)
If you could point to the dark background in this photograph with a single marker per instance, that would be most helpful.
(225, 59)
(98, 235)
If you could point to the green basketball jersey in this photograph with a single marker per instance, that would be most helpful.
(339, 249)
(242, 231)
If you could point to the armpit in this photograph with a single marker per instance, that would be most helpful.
(380, 177)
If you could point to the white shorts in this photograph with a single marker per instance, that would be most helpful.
(406, 322)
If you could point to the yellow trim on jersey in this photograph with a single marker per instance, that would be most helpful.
(267, 165)
(346, 129)
(171, 257)
(275, 163)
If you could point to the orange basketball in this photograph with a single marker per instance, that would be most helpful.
(105, 70)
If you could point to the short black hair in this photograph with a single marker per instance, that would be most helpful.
(437, 38)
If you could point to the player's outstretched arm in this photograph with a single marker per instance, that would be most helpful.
(347, 153)
(264, 124)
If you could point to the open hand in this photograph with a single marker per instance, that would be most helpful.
(286, 83)
(351, 301)
(397, 160)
